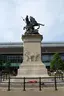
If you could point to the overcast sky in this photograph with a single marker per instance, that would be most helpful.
(48, 12)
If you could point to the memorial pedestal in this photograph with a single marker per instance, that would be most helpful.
(32, 65)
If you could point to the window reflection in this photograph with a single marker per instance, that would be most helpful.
(47, 58)
(12, 58)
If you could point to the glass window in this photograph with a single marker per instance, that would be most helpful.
(14, 58)
(62, 57)
(46, 58)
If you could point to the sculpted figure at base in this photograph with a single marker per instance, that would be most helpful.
(30, 25)
(31, 56)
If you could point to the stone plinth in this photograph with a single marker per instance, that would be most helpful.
(32, 65)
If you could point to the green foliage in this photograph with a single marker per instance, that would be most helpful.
(1, 64)
(57, 62)
(8, 65)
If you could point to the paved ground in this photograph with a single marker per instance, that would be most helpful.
(33, 91)
(44, 92)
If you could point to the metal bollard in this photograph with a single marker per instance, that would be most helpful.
(62, 76)
(55, 83)
(9, 84)
(39, 83)
(24, 85)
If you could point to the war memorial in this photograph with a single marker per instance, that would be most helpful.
(32, 65)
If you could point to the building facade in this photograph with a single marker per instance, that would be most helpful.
(13, 52)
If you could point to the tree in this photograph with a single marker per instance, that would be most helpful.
(8, 65)
(56, 62)
(1, 65)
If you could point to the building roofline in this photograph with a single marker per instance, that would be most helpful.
(20, 44)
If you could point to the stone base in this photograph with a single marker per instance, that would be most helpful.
(35, 69)
(32, 65)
